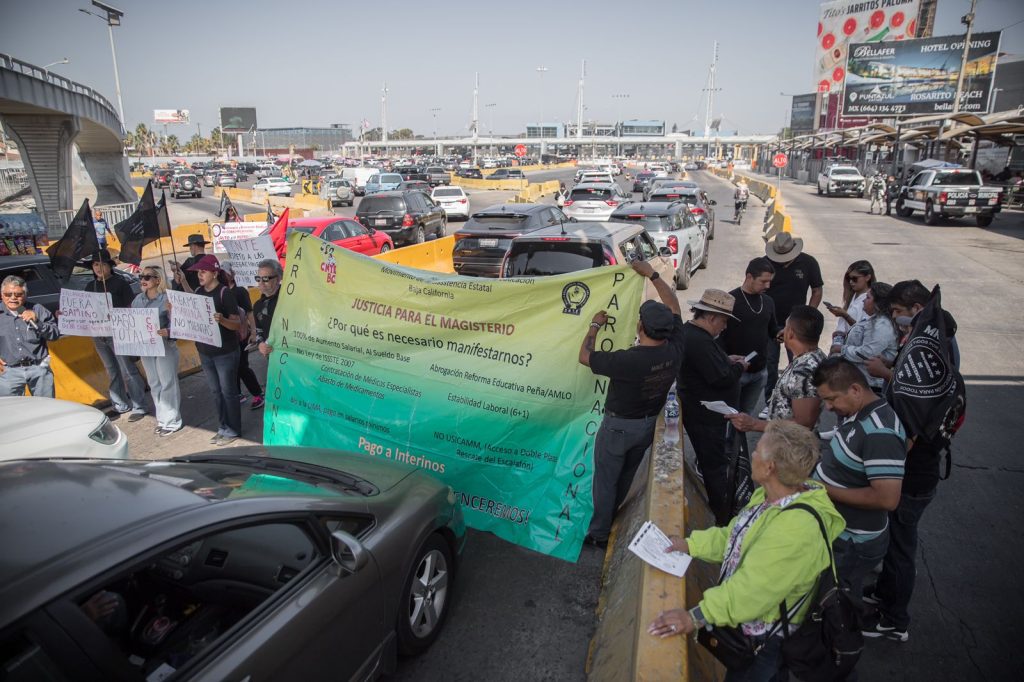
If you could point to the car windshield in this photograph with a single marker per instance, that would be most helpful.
(435, 169)
(591, 194)
(674, 196)
(956, 179)
(305, 229)
(541, 259)
(653, 223)
(390, 178)
(845, 171)
(377, 204)
(448, 192)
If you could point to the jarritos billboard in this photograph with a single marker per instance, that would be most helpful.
(848, 21)
(919, 77)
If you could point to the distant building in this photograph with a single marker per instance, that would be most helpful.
(637, 128)
(592, 129)
(545, 130)
(323, 139)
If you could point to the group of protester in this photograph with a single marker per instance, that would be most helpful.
(244, 327)
(864, 485)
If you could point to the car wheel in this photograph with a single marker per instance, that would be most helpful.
(828, 192)
(424, 603)
(711, 229)
(902, 211)
(385, 247)
(444, 228)
(683, 278)
(984, 220)
(420, 236)
(930, 216)
(707, 255)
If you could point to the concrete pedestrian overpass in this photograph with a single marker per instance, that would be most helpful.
(70, 138)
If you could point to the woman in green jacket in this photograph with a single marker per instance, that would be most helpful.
(767, 556)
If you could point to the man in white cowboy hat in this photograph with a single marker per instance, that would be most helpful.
(796, 273)
(639, 380)
(707, 373)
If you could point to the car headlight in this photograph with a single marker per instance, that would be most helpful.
(106, 433)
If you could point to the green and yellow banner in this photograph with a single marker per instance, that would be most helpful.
(474, 381)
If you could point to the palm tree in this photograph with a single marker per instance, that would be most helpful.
(171, 144)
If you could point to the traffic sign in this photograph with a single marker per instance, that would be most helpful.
(520, 150)
(780, 160)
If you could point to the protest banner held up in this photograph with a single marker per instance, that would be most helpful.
(221, 232)
(473, 381)
(245, 256)
(135, 332)
(84, 313)
(192, 318)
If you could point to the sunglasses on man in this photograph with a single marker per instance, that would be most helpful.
(268, 278)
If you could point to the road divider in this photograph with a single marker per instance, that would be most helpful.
(535, 191)
(776, 218)
(434, 255)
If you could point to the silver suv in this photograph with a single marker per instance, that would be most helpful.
(594, 200)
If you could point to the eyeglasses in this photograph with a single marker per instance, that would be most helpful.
(855, 278)
(269, 278)
(14, 294)
(148, 277)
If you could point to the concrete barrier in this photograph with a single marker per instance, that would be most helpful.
(776, 218)
(434, 255)
(473, 183)
(633, 593)
(535, 191)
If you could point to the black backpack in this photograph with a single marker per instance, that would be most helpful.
(827, 645)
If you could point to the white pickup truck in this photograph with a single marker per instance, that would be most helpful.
(841, 180)
(949, 193)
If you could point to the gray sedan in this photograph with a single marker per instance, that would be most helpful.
(255, 564)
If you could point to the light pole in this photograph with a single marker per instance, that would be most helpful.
(618, 115)
(490, 122)
(433, 112)
(62, 61)
(541, 70)
(113, 19)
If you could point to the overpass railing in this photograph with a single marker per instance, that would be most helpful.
(18, 66)
(112, 213)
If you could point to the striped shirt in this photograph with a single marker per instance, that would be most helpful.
(868, 445)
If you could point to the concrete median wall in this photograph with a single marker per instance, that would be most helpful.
(776, 218)
(535, 191)
(434, 255)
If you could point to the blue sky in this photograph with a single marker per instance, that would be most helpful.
(317, 62)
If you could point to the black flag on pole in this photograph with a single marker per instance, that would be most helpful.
(79, 241)
(162, 219)
(139, 229)
(227, 209)
(271, 218)
(223, 204)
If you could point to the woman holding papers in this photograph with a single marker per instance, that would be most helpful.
(768, 557)
(162, 372)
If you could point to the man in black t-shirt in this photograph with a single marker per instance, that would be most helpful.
(185, 278)
(707, 373)
(640, 378)
(269, 281)
(796, 273)
(753, 329)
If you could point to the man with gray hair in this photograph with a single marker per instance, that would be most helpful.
(24, 331)
(269, 280)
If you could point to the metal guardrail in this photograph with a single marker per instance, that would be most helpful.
(112, 213)
(18, 66)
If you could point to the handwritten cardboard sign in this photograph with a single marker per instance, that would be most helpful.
(245, 256)
(84, 313)
(222, 232)
(135, 332)
(192, 318)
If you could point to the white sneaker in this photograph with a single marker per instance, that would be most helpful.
(763, 414)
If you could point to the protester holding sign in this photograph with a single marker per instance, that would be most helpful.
(269, 280)
(24, 357)
(162, 372)
(246, 329)
(220, 364)
(127, 387)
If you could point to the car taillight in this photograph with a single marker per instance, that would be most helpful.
(611, 202)
(610, 257)
(943, 197)
(673, 244)
(407, 221)
(554, 239)
(568, 202)
(462, 201)
(997, 199)
(697, 210)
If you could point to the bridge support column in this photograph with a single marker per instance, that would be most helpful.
(106, 177)
(45, 144)
(679, 150)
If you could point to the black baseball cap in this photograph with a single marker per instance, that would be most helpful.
(657, 319)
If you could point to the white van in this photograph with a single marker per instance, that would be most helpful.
(358, 177)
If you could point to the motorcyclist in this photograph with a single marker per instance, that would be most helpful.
(741, 195)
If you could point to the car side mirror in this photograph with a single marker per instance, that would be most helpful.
(573, 220)
(712, 202)
(347, 552)
(665, 251)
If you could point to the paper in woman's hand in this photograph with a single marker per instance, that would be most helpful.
(650, 544)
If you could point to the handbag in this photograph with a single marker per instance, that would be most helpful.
(738, 453)
(827, 645)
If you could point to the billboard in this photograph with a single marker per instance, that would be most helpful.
(844, 22)
(919, 77)
(803, 113)
(237, 119)
(170, 115)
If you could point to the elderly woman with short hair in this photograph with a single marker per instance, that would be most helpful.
(161, 372)
(768, 557)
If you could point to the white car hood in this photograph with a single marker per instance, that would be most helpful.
(24, 418)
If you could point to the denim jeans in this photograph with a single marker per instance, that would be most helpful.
(895, 585)
(38, 379)
(618, 450)
(221, 373)
(126, 382)
(854, 561)
(162, 373)
(751, 388)
(768, 666)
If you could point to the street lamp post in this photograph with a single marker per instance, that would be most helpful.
(62, 61)
(490, 122)
(113, 18)
(541, 70)
(618, 115)
(433, 113)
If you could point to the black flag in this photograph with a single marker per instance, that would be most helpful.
(271, 218)
(79, 241)
(139, 229)
(162, 219)
(223, 204)
(227, 209)
(926, 390)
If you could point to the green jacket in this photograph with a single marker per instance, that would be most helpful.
(781, 557)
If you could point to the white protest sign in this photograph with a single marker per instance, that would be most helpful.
(135, 332)
(192, 318)
(245, 256)
(84, 313)
(220, 232)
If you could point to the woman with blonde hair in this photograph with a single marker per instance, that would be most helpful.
(161, 372)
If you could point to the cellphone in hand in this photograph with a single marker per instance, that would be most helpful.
(750, 356)
(828, 305)
(632, 257)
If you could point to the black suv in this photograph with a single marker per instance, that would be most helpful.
(473, 173)
(407, 216)
(185, 185)
(481, 244)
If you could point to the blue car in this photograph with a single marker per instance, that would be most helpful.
(383, 182)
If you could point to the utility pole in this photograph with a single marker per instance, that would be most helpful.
(579, 102)
(711, 90)
(476, 113)
(968, 20)
(384, 115)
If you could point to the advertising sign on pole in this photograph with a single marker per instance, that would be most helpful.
(237, 119)
(135, 332)
(83, 313)
(170, 115)
(842, 22)
(803, 113)
(192, 318)
(919, 77)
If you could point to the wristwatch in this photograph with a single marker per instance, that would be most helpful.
(655, 275)
(698, 618)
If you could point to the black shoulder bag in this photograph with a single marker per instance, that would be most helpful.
(827, 645)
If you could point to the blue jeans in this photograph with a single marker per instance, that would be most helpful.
(751, 388)
(126, 382)
(854, 561)
(618, 450)
(895, 585)
(767, 666)
(38, 379)
(221, 373)
(162, 373)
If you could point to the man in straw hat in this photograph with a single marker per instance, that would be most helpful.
(796, 273)
(709, 374)
(640, 378)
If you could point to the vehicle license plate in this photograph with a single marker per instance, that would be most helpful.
(489, 242)
(971, 209)
(380, 221)
(587, 210)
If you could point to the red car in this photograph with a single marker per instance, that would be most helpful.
(346, 233)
